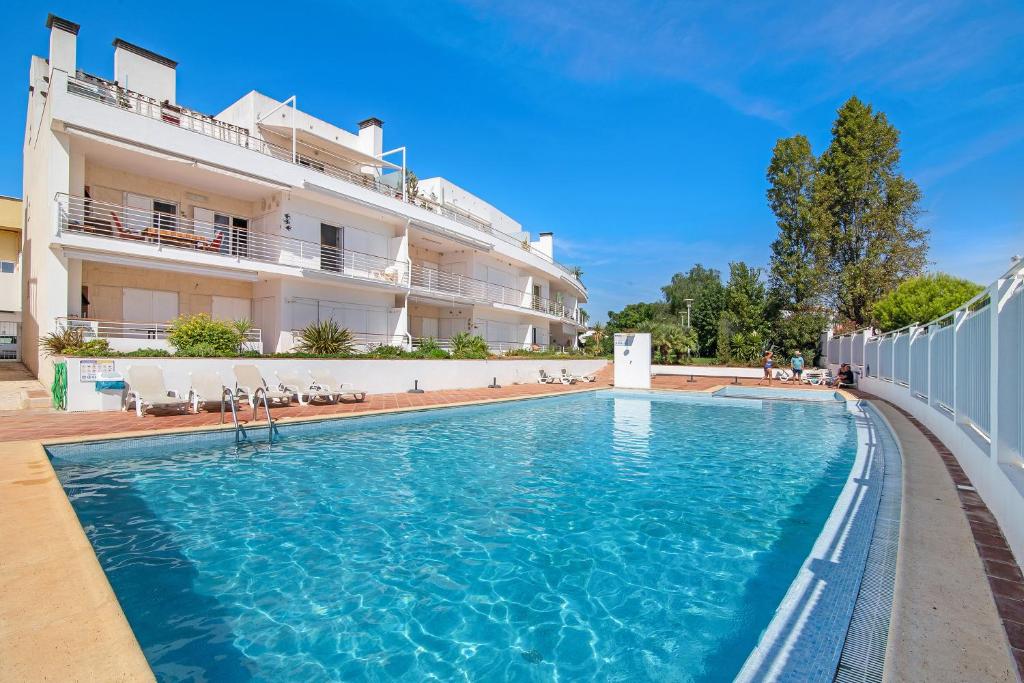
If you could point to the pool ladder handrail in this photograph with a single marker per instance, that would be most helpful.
(255, 400)
(240, 432)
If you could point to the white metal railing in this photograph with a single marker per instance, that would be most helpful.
(111, 94)
(962, 376)
(121, 329)
(159, 231)
(958, 363)
(972, 367)
(495, 347)
(901, 358)
(364, 342)
(918, 369)
(885, 358)
(941, 364)
(455, 285)
(871, 357)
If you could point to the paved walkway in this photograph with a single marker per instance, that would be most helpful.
(19, 426)
(15, 379)
(945, 626)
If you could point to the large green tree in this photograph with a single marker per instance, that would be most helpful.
(634, 316)
(865, 213)
(797, 254)
(743, 325)
(704, 286)
(921, 300)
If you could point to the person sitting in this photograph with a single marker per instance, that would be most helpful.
(844, 378)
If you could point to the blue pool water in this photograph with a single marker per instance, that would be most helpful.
(609, 536)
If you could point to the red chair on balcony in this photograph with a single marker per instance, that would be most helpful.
(214, 246)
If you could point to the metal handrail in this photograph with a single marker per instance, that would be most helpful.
(453, 284)
(111, 94)
(117, 329)
(271, 427)
(161, 231)
(234, 413)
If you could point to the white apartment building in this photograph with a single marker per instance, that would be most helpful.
(139, 209)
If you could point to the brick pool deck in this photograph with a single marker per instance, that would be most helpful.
(56, 603)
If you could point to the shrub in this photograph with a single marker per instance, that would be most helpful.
(921, 299)
(204, 350)
(466, 345)
(201, 335)
(325, 338)
(388, 351)
(71, 342)
(147, 353)
(62, 341)
(93, 347)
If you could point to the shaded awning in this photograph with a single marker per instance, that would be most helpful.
(332, 147)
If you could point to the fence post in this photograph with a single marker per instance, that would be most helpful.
(996, 302)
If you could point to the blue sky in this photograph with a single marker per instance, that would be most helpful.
(638, 132)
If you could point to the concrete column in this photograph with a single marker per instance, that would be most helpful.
(75, 286)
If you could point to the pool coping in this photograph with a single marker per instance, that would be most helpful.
(59, 616)
(805, 638)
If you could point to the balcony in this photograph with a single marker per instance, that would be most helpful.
(458, 286)
(129, 336)
(159, 232)
(113, 95)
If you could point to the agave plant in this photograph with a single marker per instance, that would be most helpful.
(466, 345)
(62, 341)
(325, 338)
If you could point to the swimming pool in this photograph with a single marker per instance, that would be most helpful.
(612, 535)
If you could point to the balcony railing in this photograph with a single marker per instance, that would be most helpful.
(159, 231)
(495, 347)
(119, 329)
(451, 284)
(111, 94)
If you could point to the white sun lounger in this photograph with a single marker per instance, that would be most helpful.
(146, 389)
(205, 387)
(248, 380)
(544, 378)
(592, 377)
(307, 387)
(327, 382)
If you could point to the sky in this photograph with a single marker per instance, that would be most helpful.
(639, 133)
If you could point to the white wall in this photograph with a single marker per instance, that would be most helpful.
(375, 376)
(707, 371)
(1001, 485)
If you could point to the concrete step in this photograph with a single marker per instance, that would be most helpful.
(34, 398)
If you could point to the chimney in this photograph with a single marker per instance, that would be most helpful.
(145, 72)
(63, 44)
(546, 243)
(371, 136)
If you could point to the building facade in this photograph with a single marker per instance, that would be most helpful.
(139, 209)
(10, 278)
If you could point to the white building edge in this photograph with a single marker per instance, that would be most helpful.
(139, 209)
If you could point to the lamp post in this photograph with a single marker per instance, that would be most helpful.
(689, 304)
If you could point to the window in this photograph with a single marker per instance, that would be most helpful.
(332, 245)
(146, 212)
(7, 266)
(232, 231)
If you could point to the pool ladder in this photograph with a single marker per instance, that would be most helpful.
(229, 398)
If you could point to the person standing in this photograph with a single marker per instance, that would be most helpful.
(797, 362)
(766, 363)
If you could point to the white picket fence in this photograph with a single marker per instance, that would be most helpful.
(962, 376)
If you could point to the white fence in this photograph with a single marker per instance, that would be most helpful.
(962, 376)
